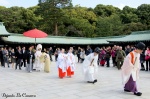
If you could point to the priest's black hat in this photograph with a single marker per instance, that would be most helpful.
(140, 46)
(97, 50)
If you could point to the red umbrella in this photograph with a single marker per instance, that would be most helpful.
(35, 33)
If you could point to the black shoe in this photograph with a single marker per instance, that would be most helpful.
(92, 81)
(89, 81)
(19, 68)
(138, 94)
(143, 69)
(126, 90)
(95, 80)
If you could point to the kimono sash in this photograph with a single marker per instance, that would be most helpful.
(132, 57)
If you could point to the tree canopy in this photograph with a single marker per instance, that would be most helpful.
(59, 17)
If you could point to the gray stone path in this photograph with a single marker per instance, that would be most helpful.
(49, 86)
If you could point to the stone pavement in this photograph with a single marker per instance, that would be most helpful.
(41, 85)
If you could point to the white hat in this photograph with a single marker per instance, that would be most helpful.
(39, 46)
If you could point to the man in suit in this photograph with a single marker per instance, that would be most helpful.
(24, 56)
(18, 57)
(30, 59)
(1, 57)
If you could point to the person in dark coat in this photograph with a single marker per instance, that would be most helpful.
(120, 58)
(127, 50)
(18, 58)
(88, 50)
(142, 60)
(108, 55)
(5, 56)
(50, 53)
(1, 57)
(78, 54)
(24, 56)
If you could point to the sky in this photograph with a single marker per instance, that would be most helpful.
(84, 3)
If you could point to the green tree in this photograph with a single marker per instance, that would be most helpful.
(109, 26)
(52, 12)
(80, 21)
(106, 10)
(130, 27)
(18, 19)
(143, 12)
(128, 15)
(59, 17)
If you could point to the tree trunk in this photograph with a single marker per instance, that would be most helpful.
(56, 29)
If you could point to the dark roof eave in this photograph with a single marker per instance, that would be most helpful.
(4, 35)
(126, 41)
(37, 43)
(56, 43)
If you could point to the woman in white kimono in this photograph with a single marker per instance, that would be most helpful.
(70, 63)
(90, 66)
(38, 53)
(131, 68)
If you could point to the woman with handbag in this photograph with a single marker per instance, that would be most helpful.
(90, 66)
(147, 58)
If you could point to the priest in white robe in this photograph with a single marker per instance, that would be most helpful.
(90, 66)
(131, 68)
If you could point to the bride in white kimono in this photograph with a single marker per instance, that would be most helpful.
(38, 53)
(90, 66)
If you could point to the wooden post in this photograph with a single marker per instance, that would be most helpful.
(35, 41)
